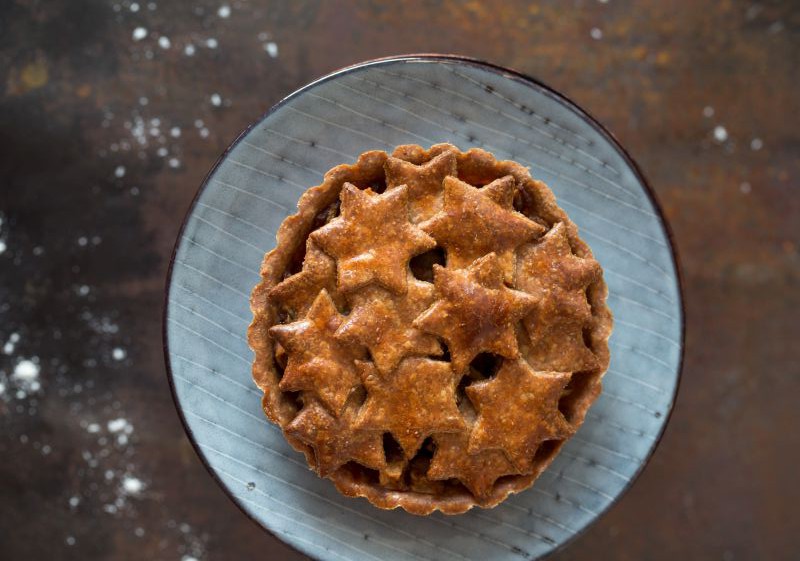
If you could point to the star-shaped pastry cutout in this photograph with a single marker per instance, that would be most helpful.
(475, 312)
(382, 322)
(298, 291)
(318, 363)
(518, 410)
(335, 441)
(424, 182)
(412, 402)
(372, 240)
(477, 472)
(549, 271)
(475, 221)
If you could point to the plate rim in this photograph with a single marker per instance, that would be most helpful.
(503, 71)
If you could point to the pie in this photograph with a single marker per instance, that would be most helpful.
(429, 329)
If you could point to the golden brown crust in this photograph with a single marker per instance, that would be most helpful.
(468, 458)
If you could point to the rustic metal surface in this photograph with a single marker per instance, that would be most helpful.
(701, 93)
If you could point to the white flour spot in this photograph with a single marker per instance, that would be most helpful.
(756, 144)
(82, 241)
(745, 187)
(164, 42)
(134, 7)
(138, 532)
(212, 43)
(118, 353)
(2, 246)
(131, 485)
(271, 48)
(74, 501)
(198, 124)
(26, 371)
(216, 100)
(596, 33)
(720, 134)
(119, 425)
(204, 133)
(175, 132)
(263, 36)
(11, 344)
(139, 33)
(119, 172)
(162, 152)
(93, 428)
(224, 11)
(708, 111)
(143, 101)
(174, 163)
(189, 50)
(151, 6)
(2, 388)
(70, 540)
(83, 290)
(188, 558)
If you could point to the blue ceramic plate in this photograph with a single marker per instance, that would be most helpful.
(256, 184)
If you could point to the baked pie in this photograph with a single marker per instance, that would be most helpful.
(429, 329)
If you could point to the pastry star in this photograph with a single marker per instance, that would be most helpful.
(297, 291)
(412, 402)
(372, 240)
(317, 361)
(382, 321)
(475, 312)
(518, 410)
(334, 440)
(477, 472)
(424, 182)
(475, 221)
(558, 279)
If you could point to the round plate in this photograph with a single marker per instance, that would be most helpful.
(256, 184)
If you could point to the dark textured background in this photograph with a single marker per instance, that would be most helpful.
(85, 252)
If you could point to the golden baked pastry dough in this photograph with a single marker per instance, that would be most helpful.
(429, 329)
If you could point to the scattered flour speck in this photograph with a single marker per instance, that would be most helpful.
(189, 50)
(131, 485)
(2, 388)
(2, 246)
(119, 172)
(188, 558)
(134, 7)
(756, 144)
(164, 42)
(74, 501)
(596, 33)
(708, 111)
(175, 132)
(720, 133)
(119, 425)
(118, 353)
(83, 290)
(139, 33)
(26, 371)
(212, 43)
(224, 11)
(70, 540)
(216, 100)
(174, 163)
(745, 187)
(204, 133)
(271, 48)
(82, 241)
(162, 152)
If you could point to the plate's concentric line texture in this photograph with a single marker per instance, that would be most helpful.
(256, 185)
